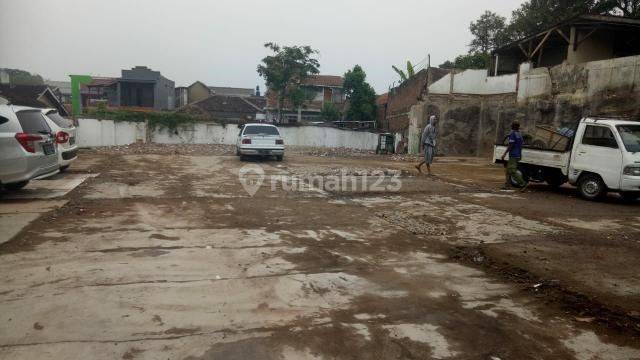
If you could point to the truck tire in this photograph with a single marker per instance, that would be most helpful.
(591, 187)
(16, 186)
(630, 196)
(555, 179)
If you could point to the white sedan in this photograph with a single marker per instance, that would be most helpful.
(260, 140)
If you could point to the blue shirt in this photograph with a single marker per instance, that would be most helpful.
(516, 141)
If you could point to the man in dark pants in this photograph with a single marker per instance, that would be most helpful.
(515, 155)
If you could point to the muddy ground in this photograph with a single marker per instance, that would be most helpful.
(164, 254)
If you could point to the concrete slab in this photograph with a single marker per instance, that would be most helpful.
(15, 216)
(56, 186)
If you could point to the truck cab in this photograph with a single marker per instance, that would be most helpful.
(603, 156)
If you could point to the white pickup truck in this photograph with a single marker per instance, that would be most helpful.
(603, 156)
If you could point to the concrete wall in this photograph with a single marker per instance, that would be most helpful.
(93, 132)
(474, 82)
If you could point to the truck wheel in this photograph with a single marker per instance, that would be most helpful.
(16, 186)
(555, 180)
(630, 197)
(592, 187)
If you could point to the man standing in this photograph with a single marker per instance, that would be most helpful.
(428, 143)
(515, 155)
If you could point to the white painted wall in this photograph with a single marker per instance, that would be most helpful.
(533, 82)
(613, 74)
(475, 82)
(92, 132)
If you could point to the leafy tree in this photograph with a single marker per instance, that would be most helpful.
(329, 112)
(535, 15)
(629, 8)
(285, 70)
(469, 61)
(404, 76)
(360, 95)
(488, 33)
(21, 77)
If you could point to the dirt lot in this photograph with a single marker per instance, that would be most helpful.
(164, 254)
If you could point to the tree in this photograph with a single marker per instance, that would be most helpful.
(488, 33)
(404, 76)
(329, 112)
(360, 95)
(630, 8)
(469, 61)
(285, 70)
(21, 77)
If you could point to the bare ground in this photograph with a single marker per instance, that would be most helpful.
(165, 255)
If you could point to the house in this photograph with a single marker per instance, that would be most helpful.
(223, 108)
(318, 89)
(143, 87)
(39, 96)
(577, 40)
(100, 89)
(197, 91)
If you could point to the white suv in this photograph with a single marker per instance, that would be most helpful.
(27, 147)
(65, 137)
(260, 140)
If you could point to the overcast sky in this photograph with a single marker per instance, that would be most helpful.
(220, 42)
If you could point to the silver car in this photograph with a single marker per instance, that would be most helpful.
(65, 137)
(27, 147)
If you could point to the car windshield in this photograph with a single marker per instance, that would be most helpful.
(33, 122)
(261, 130)
(630, 135)
(59, 120)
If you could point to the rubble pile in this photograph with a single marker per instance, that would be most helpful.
(166, 149)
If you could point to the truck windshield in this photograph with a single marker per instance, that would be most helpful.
(630, 135)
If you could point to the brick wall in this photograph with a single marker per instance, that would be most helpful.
(409, 93)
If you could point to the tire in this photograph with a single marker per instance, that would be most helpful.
(243, 157)
(64, 168)
(237, 152)
(630, 196)
(279, 157)
(555, 180)
(591, 187)
(16, 186)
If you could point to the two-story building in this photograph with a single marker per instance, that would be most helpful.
(318, 89)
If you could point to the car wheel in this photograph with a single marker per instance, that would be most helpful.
(243, 157)
(591, 187)
(237, 152)
(16, 186)
(630, 196)
(64, 168)
(279, 157)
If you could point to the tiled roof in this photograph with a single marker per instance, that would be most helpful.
(324, 80)
(25, 95)
(102, 81)
(216, 105)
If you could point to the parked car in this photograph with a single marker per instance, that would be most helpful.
(65, 137)
(603, 156)
(260, 140)
(27, 146)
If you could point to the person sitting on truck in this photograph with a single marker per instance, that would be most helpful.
(515, 155)
(428, 142)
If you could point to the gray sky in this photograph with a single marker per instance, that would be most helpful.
(220, 42)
